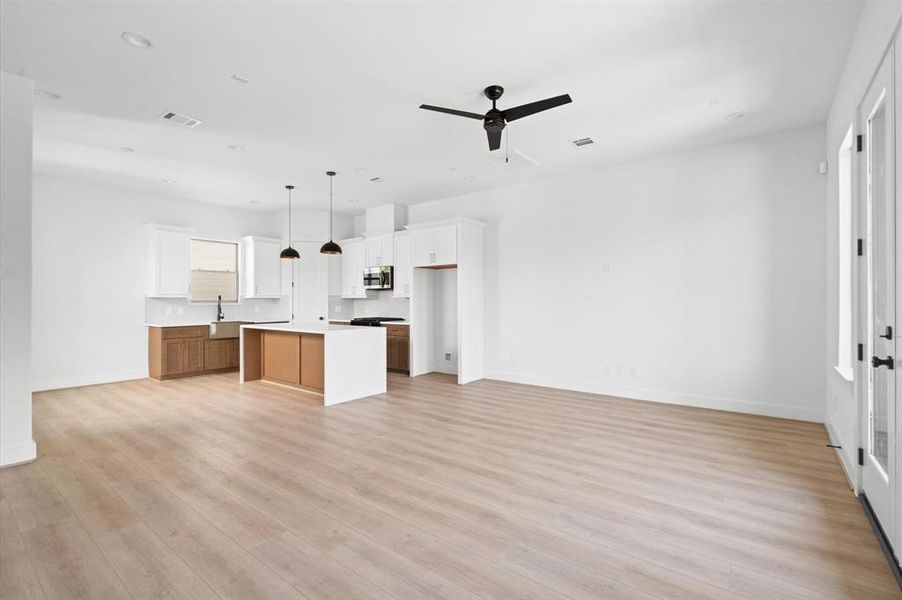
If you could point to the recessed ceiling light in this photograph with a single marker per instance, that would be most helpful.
(240, 78)
(138, 41)
(238, 147)
(470, 178)
(452, 168)
(168, 181)
(714, 101)
(353, 201)
(254, 202)
(47, 95)
(127, 149)
(735, 116)
(118, 173)
(360, 170)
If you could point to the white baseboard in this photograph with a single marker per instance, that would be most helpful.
(58, 383)
(664, 396)
(845, 459)
(16, 455)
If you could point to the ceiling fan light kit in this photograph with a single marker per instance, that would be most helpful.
(495, 120)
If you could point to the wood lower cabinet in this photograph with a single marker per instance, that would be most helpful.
(221, 354)
(397, 340)
(185, 351)
(282, 357)
(291, 358)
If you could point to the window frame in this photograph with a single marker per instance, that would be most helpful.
(846, 254)
(237, 244)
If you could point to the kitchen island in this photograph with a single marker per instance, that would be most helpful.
(339, 362)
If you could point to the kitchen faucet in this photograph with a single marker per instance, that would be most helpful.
(219, 314)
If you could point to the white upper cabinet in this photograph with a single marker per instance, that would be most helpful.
(379, 250)
(353, 259)
(403, 273)
(435, 246)
(169, 258)
(262, 267)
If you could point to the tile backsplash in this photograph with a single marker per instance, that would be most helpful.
(381, 304)
(179, 310)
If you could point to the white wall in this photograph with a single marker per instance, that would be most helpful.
(16, 443)
(89, 275)
(872, 35)
(693, 278)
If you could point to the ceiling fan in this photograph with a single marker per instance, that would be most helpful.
(495, 120)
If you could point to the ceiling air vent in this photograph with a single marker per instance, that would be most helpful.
(582, 142)
(181, 119)
(376, 179)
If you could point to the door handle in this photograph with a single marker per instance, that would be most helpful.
(882, 362)
(889, 333)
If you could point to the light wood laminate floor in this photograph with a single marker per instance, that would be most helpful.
(202, 488)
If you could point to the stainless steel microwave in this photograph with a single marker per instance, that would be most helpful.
(378, 278)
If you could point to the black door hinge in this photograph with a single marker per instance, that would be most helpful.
(859, 144)
(860, 247)
(861, 457)
(860, 352)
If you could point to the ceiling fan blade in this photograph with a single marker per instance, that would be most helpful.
(518, 112)
(451, 111)
(494, 139)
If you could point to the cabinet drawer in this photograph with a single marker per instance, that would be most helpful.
(184, 332)
(402, 331)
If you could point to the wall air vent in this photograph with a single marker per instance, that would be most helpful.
(582, 142)
(181, 119)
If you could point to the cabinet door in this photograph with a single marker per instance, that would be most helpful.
(378, 250)
(220, 354)
(352, 259)
(373, 251)
(267, 270)
(403, 270)
(312, 361)
(388, 249)
(172, 361)
(422, 247)
(194, 354)
(173, 263)
(445, 245)
(282, 357)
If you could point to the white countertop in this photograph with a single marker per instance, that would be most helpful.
(205, 323)
(311, 327)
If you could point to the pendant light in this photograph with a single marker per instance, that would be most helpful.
(330, 247)
(289, 252)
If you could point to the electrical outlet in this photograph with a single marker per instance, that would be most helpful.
(256, 309)
(337, 309)
(180, 310)
(447, 356)
(168, 311)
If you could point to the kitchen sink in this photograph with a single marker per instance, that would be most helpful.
(223, 330)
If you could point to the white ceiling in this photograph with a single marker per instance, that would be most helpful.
(337, 86)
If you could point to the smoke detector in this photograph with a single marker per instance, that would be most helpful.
(582, 142)
(181, 119)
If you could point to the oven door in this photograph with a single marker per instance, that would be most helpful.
(372, 279)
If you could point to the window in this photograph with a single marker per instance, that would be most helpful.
(214, 271)
(844, 275)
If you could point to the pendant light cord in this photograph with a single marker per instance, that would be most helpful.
(289, 217)
(330, 208)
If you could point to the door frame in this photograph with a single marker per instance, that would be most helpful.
(860, 298)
